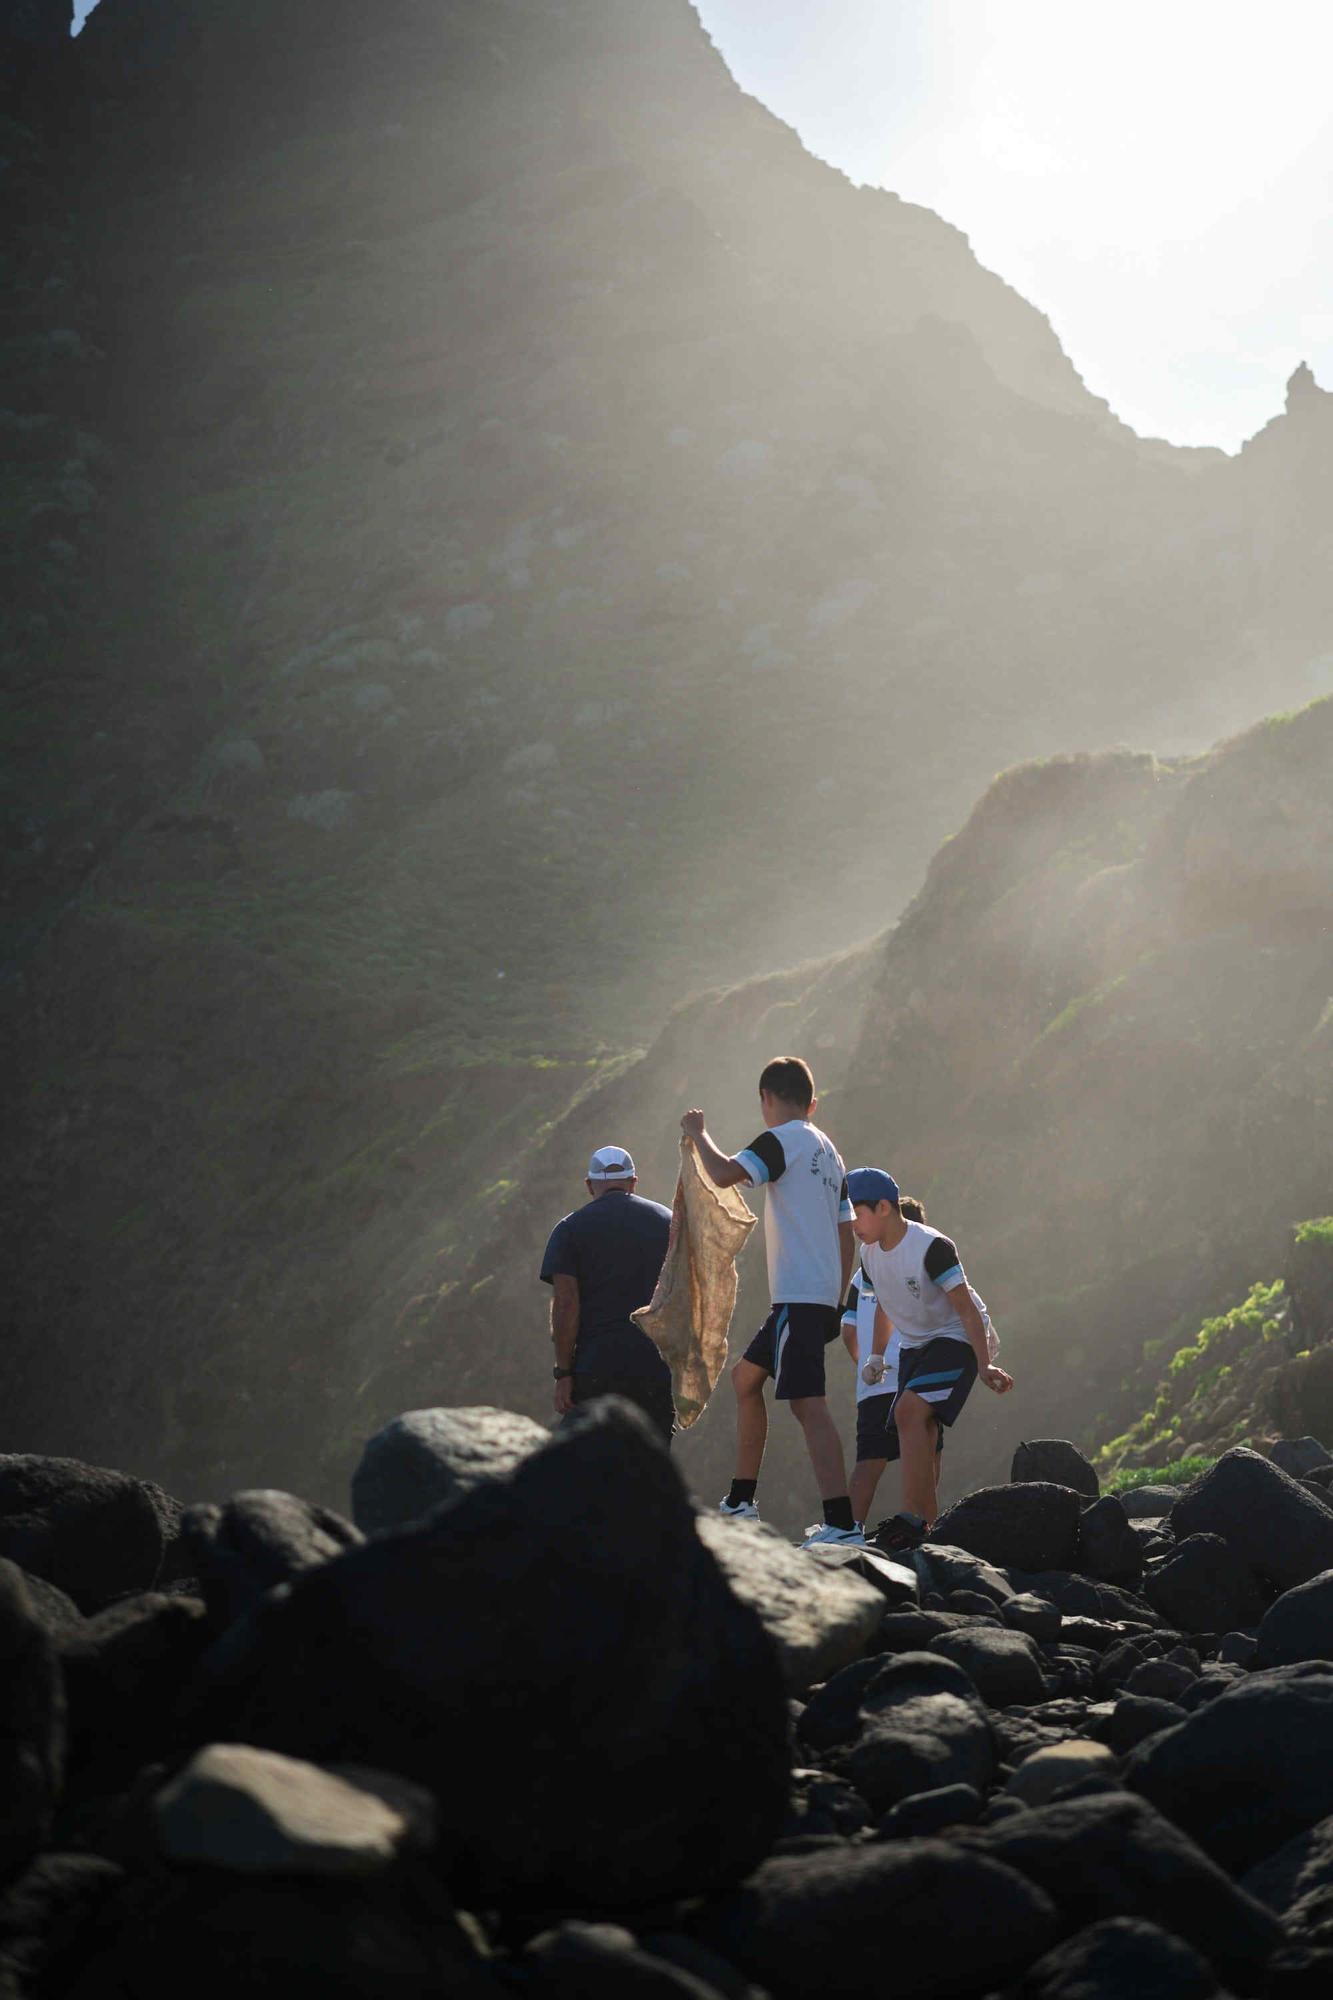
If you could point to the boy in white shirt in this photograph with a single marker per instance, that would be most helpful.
(925, 1304)
(808, 1236)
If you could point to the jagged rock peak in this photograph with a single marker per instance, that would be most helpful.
(1302, 388)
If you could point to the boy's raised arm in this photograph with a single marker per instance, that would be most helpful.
(721, 1169)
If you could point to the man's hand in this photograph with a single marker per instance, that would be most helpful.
(692, 1125)
(873, 1372)
(998, 1379)
(564, 1396)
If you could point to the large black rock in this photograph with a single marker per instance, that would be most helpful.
(1204, 1586)
(1005, 1666)
(216, 1935)
(1299, 1625)
(1271, 1522)
(97, 1534)
(582, 1961)
(1056, 1462)
(44, 1915)
(427, 1457)
(1121, 1957)
(1028, 1527)
(1113, 1855)
(558, 1657)
(32, 1724)
(911, 1918)
(1108, 1548)
(921, 1726)
(257, 1540)
(1246, 1772)
(124, 1669)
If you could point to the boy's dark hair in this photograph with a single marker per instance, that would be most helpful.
(790, 1079)
(910, 1209)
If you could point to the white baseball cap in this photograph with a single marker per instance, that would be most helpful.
(611, 1163)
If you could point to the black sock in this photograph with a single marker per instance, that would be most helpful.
(838, 1513)
(741, 1491)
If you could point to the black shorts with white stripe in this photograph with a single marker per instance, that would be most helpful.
(790, 1345)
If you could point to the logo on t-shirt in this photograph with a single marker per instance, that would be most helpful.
(914, 1287)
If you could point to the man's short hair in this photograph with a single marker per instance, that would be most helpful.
(790, 1079)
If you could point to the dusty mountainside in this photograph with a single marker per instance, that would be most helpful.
(505, 538)
(1099, 1043)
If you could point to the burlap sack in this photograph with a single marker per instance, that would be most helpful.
(690, 1312)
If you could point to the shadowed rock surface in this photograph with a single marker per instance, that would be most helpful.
(545, 1743)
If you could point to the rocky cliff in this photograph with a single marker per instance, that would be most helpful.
(505, 539)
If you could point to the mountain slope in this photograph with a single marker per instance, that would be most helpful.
(1099, 1043)
(526, 536)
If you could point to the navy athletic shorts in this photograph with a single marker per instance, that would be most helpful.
(941, 1373)
(790, 1347)
(876, 1432)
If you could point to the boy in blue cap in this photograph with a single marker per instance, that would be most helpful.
(922, 1294)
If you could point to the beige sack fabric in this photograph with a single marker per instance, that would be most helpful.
(690, 1312)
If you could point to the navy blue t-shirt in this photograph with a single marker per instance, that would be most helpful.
(614, 1247)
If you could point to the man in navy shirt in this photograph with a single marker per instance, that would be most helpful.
(602, 1262)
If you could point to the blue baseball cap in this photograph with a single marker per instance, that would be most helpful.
(867, 1185)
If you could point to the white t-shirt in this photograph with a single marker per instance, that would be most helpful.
(912, 1283)
(860, 1313)
(807, 1199)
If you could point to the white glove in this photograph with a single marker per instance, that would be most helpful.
(873, 1371)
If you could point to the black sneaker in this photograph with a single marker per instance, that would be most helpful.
(900, 1531)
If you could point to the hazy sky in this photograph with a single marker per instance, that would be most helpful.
(1156, 175)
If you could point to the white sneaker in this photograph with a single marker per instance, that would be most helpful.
(841, 1538)
(745, 1511)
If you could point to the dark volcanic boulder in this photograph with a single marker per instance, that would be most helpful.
(1033, 1615)
(1081, 1597)
(1297, 1869)
(928, 1812)
(1298, 1456)
(1108, 1548)
(849, 1921)
(1005, 1666)
(97, 1534)
(944, 1569)
(426, 1457)
(43, 1917)
(215, 1935)
(921, 1726)
(1120, 1957)
(1113, 1855)
(32, 1724)
(580, 1961)
(1138, 1716)
(1204, 1586)
(819, 1615)
(558, 1657)
(256, 1540)
(1030, 1527)
(1299, 1626)
(1055, 1462)
(1271, 1522)
(1247, 1771)
(124, 1670)
(1149, 1503)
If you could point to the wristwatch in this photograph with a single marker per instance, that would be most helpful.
(560, 1373)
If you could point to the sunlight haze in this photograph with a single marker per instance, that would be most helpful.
(1155, 178)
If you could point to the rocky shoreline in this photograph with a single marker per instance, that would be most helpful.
(531, 1722)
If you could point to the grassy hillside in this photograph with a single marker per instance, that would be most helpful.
(1262, 1370)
